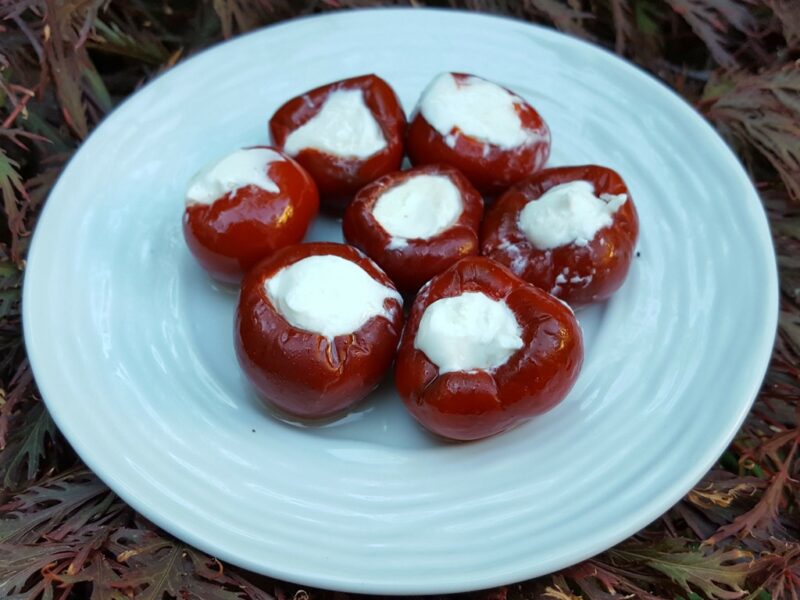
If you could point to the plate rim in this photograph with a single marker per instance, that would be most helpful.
(37, 355)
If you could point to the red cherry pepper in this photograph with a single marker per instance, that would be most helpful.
(468, 405)
(302, 373)
(413, 264)
(489, 167)
(577, 274)
(337, 177)
(235, 231)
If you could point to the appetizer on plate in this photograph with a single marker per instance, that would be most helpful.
(415, 223)
(245, 206)
(489, 341)
(316, 328)
(570, 230)
(482, 351)
(486, 131)
(345, 134)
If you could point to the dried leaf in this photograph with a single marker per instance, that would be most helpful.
(781, 570)
(623, 28)
(244, 15)
(763, 110)
(600, 581)
(20, 564)
(160, 565)
(710, 20)
(556, 593)
(67, 27)
(42, 509)
(708, 494)
(788, 13)
(66, 75)
(764, 517)
(100, 572)
(562, 15)
(790, 327)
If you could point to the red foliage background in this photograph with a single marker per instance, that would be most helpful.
(66, 63)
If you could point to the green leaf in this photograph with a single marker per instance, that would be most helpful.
(97, 88)
(68, 90)
(720, 575)
(109, 37)
(34, 123)
(647, 15)
(9, 302)
(27, 446)
(13, 192)
(730, 461)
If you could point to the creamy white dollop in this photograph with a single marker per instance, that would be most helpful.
(569, 213)
(420, 207)
(468, 332)
(327, 295)
(344, 126)
(234, 171)
(477, 107)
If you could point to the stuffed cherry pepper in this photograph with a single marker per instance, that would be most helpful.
(245, 206)
(570, 230)
(486, 131)
(482, 351)
(345, 134)
(416, 223)
(316, 328)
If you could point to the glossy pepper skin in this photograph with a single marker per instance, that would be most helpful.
(476, 404)
(413, 264)
(234, 232)
(490, 168)
(589, 273)
(304, 374)
(337, 177)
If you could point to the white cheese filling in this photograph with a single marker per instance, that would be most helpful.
(478, 108)
(236, 170)
(344, 127)
(568, 213)
(468, 332)
(420, 207)
(327, 295)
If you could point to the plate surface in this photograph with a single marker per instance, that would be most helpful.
(131, 343)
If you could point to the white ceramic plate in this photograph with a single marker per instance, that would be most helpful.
(131, 343)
